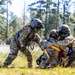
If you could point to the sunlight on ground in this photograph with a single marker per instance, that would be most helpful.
(4, 48)
(19, 66)
(24, 71)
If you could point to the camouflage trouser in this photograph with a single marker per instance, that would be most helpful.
(53, 60)
(14, 48)
(65, 51)
(48, 62)
(68, 58)
(71, 60)
(29, 57)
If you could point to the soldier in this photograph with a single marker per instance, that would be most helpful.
(66, 40)
(49, 57)
(22, 39)
(65, 43)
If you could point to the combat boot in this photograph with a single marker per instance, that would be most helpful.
(5, 66)
(42, 65)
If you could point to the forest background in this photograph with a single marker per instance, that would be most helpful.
(52, 13)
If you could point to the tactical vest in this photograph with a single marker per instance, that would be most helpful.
(28, 39)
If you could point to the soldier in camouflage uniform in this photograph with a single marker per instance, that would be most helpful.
(66, 43)
(66, 40)
(22, 39)
(44, 61)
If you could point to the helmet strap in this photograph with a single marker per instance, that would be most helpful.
(31, 27)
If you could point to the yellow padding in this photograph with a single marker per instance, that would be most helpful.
(56, 48)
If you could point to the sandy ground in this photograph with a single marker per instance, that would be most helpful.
(4, 48)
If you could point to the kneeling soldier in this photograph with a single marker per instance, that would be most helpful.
(50, 56)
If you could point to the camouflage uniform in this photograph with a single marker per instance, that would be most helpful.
(53, 55)
(49, 57)
(64, 45)
(23, 37)
(65, 42)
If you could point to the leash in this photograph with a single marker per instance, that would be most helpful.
(46, 53)
(53, 47)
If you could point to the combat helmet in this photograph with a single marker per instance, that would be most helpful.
(36, 24)
(53, 34)
(64, 30)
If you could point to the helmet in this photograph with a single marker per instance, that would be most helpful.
(53, 34)
(63, 31)
(36, 23)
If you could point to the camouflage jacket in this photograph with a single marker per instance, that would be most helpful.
(26, 35)
(47, 43)
(70, 40)
(49, 52)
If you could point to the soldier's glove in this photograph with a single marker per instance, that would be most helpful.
(23, 47)
(46, 45)
(42, 44)
(43, 48)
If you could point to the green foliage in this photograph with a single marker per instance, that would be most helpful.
(2, 28)
(3, 23)
(47, 14)
(50, 12)
(15, 24)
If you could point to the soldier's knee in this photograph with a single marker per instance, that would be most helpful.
(12, 55)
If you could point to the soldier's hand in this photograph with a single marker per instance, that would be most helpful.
(42, 42)
(23, 47)
(43, 48)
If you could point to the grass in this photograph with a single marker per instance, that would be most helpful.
(19, 67)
